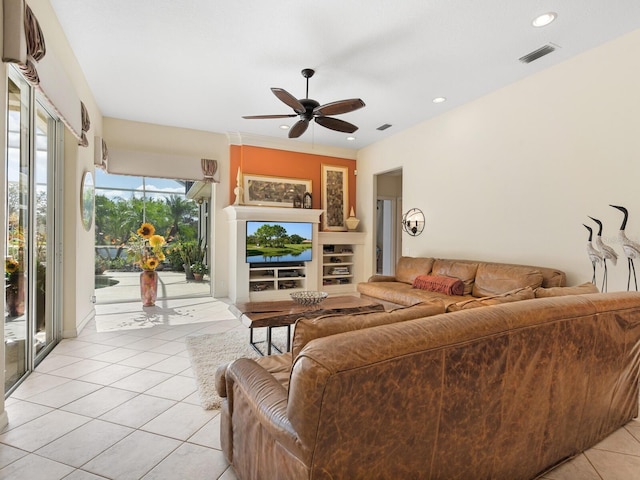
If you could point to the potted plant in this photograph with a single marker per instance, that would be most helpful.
(199, 269)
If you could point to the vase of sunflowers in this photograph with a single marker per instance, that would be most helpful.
(145, 249)
(14, 277)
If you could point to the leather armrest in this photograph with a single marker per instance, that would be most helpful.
(267, 399)
(382, 278)
(221, 380)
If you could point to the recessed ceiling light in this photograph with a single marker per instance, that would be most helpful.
(351, 139)
(284, 127)
(544, 19)
(439, 100)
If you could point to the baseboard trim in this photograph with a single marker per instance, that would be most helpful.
(72, 333)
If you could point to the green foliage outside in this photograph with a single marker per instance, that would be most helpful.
(174, 217)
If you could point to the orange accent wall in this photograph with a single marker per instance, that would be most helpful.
(282, 163)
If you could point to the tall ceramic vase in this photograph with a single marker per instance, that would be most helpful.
(148, 287)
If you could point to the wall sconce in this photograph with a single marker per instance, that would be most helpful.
(413, 222)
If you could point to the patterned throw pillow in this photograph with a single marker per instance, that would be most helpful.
(441, 284)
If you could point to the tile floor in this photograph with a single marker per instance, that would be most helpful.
(119, 402)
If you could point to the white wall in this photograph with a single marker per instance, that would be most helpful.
(513, 175)
(78, 251)
(170, 152)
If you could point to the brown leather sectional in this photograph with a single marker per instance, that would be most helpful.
(481, 280)
(501, 392)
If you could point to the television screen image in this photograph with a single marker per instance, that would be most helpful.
(277, 242)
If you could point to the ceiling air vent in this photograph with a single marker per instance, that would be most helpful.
(536, 54)
(383, 127)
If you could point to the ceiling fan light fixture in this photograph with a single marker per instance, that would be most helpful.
(439, 100)
(351, 138)
(544, 19)
(284, 127)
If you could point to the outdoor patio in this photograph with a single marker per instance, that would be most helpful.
(125, 286)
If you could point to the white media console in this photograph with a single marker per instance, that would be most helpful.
(336, 265)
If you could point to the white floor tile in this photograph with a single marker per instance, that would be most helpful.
(141, 381)
(81, 445)
(66, 393)
(132, 457)
(147, 344)
(37, 383)
(79, 369)
(21, 412)
(181, 421)
(174, 388)
(54, 362)
(208, 435)
(172, 365)
(33, 467)
(117, 354)
(43, 430)
(109, 375)
(143, 359)
(190, 461)
(82, 475)
(99, 402)
(138, 411)
(9, 455)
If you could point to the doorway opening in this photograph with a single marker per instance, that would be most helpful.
(123, 204)
(387, 223)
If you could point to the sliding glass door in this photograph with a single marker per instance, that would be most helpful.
(31, 263)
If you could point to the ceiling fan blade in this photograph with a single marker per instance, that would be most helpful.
(288, 99)
(339, 107)
(298, 128)
(288, 115)
(336, 124)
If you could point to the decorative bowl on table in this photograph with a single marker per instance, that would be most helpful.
(308, 298)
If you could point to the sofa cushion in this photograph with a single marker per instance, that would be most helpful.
(513, 296)
(395, 292)
(561, 291)
(439, 283)
(465, 271)
(496, 279)
(307, 329)
(408, 268)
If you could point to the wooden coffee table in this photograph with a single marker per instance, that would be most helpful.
(285, 313)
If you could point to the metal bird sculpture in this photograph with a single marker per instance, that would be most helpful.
(630, 248)
(607, 252)
(594, 255)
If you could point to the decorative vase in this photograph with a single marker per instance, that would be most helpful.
(187, 271)
(148, 287)
(15, 296)
(352, 222)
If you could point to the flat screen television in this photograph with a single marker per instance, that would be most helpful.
(279, 242)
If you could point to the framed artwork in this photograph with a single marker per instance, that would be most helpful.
(273, 191)
(335, 196)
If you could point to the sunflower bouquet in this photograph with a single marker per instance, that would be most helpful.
(145, 247)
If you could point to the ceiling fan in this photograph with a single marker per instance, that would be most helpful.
(308, 109)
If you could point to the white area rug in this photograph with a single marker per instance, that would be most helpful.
(208, 351)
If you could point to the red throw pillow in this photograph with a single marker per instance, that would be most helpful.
(441, 284)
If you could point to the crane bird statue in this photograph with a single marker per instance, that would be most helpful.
(607, 252)
(630, 248)
(594, 255)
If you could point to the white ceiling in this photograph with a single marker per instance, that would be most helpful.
(202, 64)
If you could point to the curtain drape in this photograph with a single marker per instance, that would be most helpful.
(83, 141)
(209, 169)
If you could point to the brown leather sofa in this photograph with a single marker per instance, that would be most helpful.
(502, 392)
(481, 280)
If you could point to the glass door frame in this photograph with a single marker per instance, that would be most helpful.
(54, 175)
